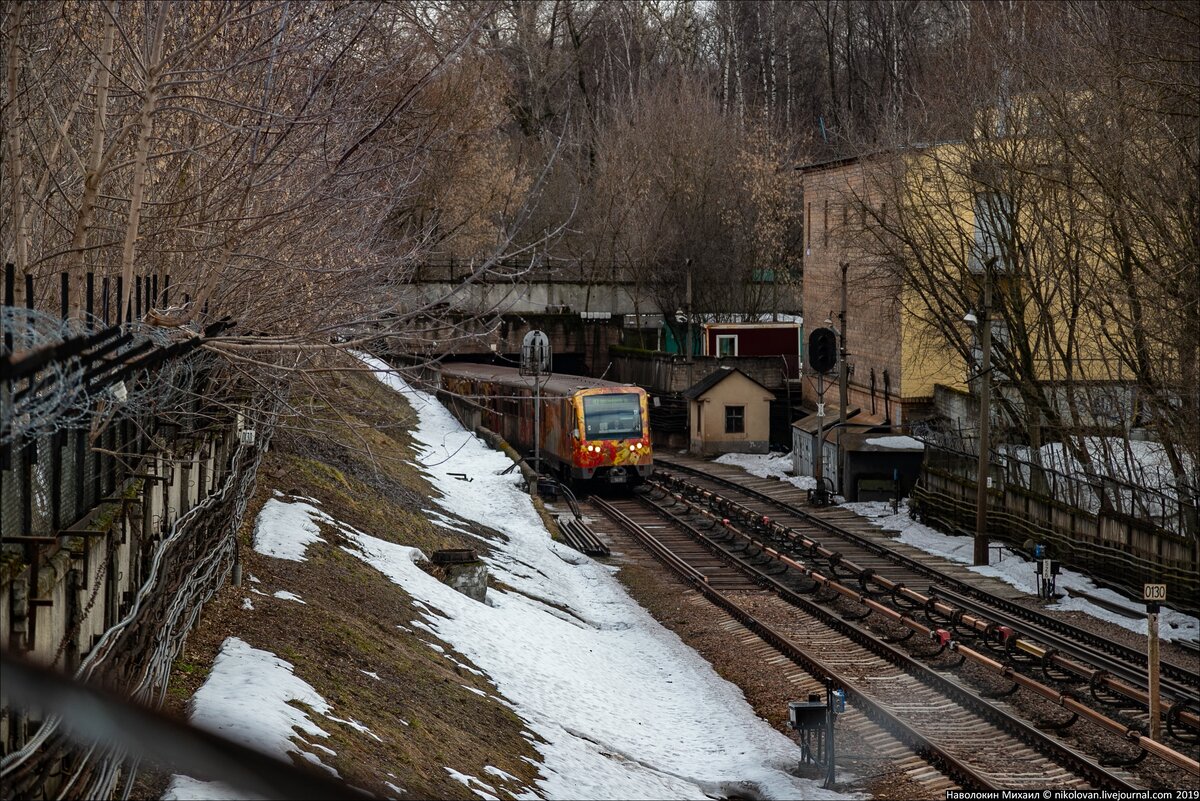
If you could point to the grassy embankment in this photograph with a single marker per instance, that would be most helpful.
(355, 462)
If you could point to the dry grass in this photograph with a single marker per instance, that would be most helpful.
(351, 621)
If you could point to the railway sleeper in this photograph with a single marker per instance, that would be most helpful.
(1091, 770)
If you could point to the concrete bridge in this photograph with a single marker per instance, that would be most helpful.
(507, 290)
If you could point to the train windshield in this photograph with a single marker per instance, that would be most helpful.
(617, 416)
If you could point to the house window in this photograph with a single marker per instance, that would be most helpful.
(735, 419)
(727, 345)
(825, 235)
(808, 226)
(993, 231)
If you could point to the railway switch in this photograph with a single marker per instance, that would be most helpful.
(941, 637)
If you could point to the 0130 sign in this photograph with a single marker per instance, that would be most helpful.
(1154, 592)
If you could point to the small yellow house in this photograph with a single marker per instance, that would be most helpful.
(728, 412)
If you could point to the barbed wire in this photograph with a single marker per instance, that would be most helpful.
(136, 370)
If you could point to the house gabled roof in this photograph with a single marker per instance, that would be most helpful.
(701, 387)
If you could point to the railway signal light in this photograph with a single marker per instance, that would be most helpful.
(822, 350)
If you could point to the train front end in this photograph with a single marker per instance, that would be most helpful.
(612, 436)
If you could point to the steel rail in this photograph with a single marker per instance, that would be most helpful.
(1107, 674)
(1064, 700)
(1051, 640)
(955, 768)
(1182, 680)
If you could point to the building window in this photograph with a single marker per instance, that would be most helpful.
(808, 226)
(993, 234)
(735, 419)
(727, 345)
(825, 235)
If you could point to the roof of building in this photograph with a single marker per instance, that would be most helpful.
(864, 427)
(750, 326)
(808, 423)
(876, 442)
(553, 384)
(842, 161)
(701, 387)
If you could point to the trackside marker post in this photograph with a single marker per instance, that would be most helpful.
(1153, 595)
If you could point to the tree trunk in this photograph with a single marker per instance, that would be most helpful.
(91, 181)
(16, 160)
(145, 125)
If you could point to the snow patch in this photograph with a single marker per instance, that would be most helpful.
(1015, 570)
(247, 604)
(354, 724)
(290, 596)
(285, 530)
(468, 781)
(896, 442)
(608, 680)
(245, 699)
(768, 465)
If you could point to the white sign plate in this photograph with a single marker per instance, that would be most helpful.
(1154, 592)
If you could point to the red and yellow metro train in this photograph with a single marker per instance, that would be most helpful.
(593, 432)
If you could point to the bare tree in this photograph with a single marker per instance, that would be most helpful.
(1064, 160)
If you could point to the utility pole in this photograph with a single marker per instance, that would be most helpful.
(688, 313)
(535, 361)
(819, 447)
(843, 382)
(687, 310)
(1152, 664)
(985, 395)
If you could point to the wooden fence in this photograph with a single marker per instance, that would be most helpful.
(1111, 545)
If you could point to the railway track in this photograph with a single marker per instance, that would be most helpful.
(1105, 666)
(973, 741)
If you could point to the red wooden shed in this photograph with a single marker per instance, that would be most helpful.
(756, 339)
